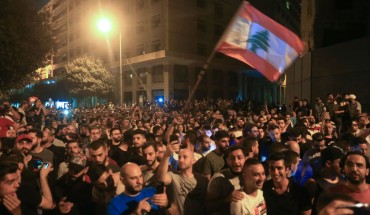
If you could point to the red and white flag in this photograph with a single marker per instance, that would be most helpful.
(260, 42)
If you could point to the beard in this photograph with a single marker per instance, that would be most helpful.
(355, 181)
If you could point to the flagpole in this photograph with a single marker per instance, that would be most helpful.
(209, 59)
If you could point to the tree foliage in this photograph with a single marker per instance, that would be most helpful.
(86, 77)
(25, 41)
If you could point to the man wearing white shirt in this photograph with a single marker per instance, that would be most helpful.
(253, 202)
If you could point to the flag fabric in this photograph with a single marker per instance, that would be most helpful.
(261, 42)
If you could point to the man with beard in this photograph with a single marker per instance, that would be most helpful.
(225, 185)
(355, 167)
(72, 148)
(9, 183)
(73, 192)
(150, 152)
(136, 152)
(282, 195)
(37, 150)
(116, 139)
(206, 146)
(214, 161)
(136, 199)
(253, 201)
(189, 188)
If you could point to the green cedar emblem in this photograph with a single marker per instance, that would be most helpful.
(259, 40)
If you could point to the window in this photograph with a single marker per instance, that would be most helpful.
(201, 49)
(140, 27)
(157, 76)
(156, 45)
(60, 15)
(141, 76)
(219, 10)
(127, 78)
(139, 4)
(140, 49)
(156, 21)
(180, 73)
(201, 25)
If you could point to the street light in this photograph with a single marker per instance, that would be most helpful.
(104, 25)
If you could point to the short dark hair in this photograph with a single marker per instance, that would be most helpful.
(192, 135)
(7, 167)
(248, 143)
(113, 129)
(234, 148)
(277, 157)
(73, 141)
(344, 159)
(291, 157)
(221, 134)
(251, 161)
(95, 145)
(148, 144)
(139, 131)
(38, 132)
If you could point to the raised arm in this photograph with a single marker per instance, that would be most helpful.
(162, 173)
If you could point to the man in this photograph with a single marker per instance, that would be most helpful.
(135, 198)
(354, 107)
(116, 139)
(73, 148)
(319, 109)
(355, 167)
(225, 185)
(313, 156)
(253, 201)
(304, 170)
(58, 152)
(330, 175)
(189, 188)
(252, 147)
(98, 151)
(150, 152)
(274, 138)
(22, 112)
(37, 150)
(206, 145)
(9, 183)
(283, 196)
(136, 152)
(250, 131)
(214, 161)
(121, 154)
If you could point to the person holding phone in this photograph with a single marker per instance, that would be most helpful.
(136, 199)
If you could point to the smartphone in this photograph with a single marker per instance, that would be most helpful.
(159, 188)
(174, 137)
(358, 209)
(39, 164)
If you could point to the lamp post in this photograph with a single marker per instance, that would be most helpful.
(104, 25)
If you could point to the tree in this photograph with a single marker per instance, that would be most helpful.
(260, 40)
(26, 42)
(88, 77)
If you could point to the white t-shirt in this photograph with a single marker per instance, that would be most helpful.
(249, 205)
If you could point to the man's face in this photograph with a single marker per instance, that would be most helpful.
(253, 132)
(186, 159)
(24, 146)
(223, 144)
(116, 135)
(47, 138)
(364, 148)
(319, 144)
(133, 181)
(355, 169)
(138, 140)
(275, 134)
(161, 151)
(281, 124)
(35, 140)
(9, 184)
(99, 156)
(235, 161)
(73, 148)
(254, 176)
(206, 143)
(150, 155)
(95, 134)
(354, 126)
(278, 171)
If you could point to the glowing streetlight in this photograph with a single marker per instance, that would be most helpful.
(104, 25)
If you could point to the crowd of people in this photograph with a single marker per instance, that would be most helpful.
(206, 157)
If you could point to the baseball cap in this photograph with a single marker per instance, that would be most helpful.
(331, 153)
(23, 137)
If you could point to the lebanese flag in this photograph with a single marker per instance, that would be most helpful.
(260, 42)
